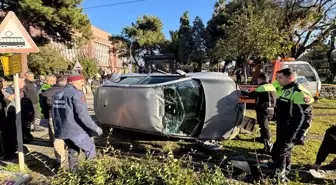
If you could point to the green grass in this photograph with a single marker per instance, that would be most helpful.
(328, 83)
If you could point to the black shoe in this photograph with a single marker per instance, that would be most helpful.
(28, 137)
(56, 168)
(298, 142)
(10, 157)
(259, 140)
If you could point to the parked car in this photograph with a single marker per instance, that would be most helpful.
(198, 105)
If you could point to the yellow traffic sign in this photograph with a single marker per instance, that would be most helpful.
(11, 65)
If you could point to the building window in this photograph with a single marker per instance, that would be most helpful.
(101, 53)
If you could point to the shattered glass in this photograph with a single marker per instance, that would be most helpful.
(183, 107)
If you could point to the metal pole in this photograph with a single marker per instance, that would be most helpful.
(18, 121)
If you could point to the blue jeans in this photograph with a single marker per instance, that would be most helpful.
(75, 144)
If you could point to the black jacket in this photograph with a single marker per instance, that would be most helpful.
(70, 114)
(27, 109)
(30, 91)
(3, 106)
(294, 111)
(265, 96)
(47, 99)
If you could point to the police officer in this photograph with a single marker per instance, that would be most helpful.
(294, 114)
(265, 96)
(72, 121)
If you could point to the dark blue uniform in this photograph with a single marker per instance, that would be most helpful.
(72, 123)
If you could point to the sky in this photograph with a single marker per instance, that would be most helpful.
(113, 18)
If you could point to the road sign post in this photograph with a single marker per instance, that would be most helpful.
(15, 39)
(18, 121)
(78, 67)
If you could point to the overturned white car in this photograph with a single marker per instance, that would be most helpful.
(198, 105)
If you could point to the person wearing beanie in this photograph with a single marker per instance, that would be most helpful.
(72, 121)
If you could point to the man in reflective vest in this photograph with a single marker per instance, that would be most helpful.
(294, 114)
(265, 96)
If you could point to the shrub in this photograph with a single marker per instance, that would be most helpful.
(90, 68)
(47, 61)
(135, 171)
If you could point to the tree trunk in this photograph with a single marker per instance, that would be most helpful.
(331, 62)
(299, 52)
(135, 60)
(199, 66)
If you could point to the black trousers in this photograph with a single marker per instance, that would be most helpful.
(282, 148)
(8, 134)
(75, 145)
(263, 118)
(328, 145)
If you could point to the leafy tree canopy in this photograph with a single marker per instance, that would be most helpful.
(251, 33)
(48, 61)
(143, 36)
(90, 68)
(60, 20)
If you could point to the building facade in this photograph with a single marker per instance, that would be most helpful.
(99, 47)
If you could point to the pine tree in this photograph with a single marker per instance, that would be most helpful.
(199, 36)
(185, 39)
